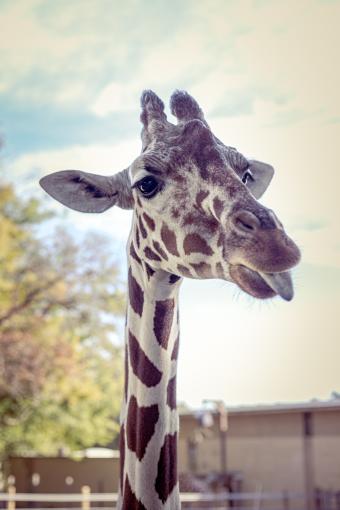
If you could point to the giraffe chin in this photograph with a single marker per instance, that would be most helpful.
(262, 285)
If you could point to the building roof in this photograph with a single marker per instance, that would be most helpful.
(279, 407)
(312, 405)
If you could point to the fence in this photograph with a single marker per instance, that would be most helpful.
(107, 501)
(324, 500)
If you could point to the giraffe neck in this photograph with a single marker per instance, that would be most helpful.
(149, 420)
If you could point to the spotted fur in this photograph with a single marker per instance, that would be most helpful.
(203, 221)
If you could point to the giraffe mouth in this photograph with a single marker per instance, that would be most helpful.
(263, 285)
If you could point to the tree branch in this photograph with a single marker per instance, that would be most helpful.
(28, 300)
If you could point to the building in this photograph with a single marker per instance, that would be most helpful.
(274, 448)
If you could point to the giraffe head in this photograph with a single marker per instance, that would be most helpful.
(195, 204)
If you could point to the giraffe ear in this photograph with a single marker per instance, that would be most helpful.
(261, 175)
(87, 192)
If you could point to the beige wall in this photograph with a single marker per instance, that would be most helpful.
(327, 462)
(100, 474)
(265, 425)
(326, 450)
(272, 464)
(269, 448)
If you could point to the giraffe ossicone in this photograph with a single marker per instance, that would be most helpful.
(196, 215)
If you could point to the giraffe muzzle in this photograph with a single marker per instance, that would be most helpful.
(263, 285)
(281, 283)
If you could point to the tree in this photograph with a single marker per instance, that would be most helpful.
(60, 372)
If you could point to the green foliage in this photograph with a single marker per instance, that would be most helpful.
(60, 372)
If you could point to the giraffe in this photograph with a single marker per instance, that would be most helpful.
(195, 215)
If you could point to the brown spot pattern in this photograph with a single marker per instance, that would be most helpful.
(200, 221)
(142, 228)
(169, 240)
(184, 270)
(137, 239)
(220, 240)
(142, 366)
(190, 218)
(173, 278)
(160, 250)
(201, 195)
(134, 254)
(174, 354)
(167, 467)
(162, 321)
(210, 156)
(140, 426)
(202, 269)
(218, 207)
(126, 372)
(149, 221)
(130, 502)
(219, 270)
(151, 254)
(175, 213)
(194, 243)
(171, 393)
(149, 271)
(136, 294)
(122, 455)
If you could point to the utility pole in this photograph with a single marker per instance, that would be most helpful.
(222, 430)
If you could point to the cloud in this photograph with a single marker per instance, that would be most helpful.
(265, 74)
(184, 56)
(100, 158)
(228, 54)
(26, 170)
(320, 247)
(267, 85)
(115, 97)
(278, 56)
(311, 225)
(76, 47)
(231, 55)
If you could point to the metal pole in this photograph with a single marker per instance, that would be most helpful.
(223, 426)
(222, 429)
(308, 443)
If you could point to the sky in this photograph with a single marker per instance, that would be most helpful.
(266, 74)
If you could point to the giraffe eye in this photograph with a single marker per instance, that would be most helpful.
(247, 176)
(148, 186)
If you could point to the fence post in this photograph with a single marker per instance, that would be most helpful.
(11, 497)
(337, 500)
(285, 500)
(85, 503)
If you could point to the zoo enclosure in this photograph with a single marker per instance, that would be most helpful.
(324, 500)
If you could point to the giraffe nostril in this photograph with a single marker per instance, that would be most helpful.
(246, 221)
